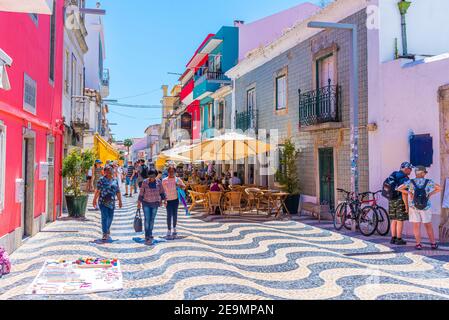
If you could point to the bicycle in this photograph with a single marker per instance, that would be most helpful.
(383, 219)
(350, 211)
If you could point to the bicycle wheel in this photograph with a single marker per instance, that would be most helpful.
(367, 221)
(383, 221)
(348, 219)
(340, 216)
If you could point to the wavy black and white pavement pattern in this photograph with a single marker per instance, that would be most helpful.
(233, 258)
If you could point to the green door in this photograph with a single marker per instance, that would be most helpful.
(326, 159)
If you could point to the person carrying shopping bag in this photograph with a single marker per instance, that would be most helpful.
(151, 197)
(171, 185)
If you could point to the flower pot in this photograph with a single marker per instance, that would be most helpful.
(76, 206)
(292, 203)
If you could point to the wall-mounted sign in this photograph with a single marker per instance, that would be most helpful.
(43, 170)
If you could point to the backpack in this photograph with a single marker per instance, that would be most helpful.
(5, 263)
(420, 197)
(144, 171)
(389, 188)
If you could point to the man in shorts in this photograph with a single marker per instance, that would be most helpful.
(421, 213)
(130, 173)
(397, 206)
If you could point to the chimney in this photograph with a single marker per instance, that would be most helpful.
(238, 23)
(165, 90)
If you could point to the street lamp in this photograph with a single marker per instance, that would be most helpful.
(354, 96)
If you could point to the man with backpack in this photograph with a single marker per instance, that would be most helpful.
(142, 172)
(419, 191)
(397, 208)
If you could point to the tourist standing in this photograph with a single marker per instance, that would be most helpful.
(106, 194)
(89, 187)
(419, 191)
(151, 196)
(397, 206)
(171, 185)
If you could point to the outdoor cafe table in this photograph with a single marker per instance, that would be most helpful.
(275, 197)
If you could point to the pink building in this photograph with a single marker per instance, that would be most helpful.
(264, 31)
(30, 124)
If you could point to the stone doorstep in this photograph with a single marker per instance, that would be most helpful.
(322, 211)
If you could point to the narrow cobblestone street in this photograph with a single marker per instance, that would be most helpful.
(232, 258)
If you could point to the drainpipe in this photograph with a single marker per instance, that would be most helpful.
(403, 8)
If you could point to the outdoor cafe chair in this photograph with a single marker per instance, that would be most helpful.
(233, 200)
(214, 198)
(253, 198)
(202, 188)
(198, 199)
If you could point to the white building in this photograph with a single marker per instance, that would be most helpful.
(97, 78)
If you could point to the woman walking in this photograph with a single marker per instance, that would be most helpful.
(171, 185)
(151, 197)
(105, 195)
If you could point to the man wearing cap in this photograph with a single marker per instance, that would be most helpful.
(397, 206)
(130, 174)
(420, 208)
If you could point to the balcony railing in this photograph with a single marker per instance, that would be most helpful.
(212, 76)
(247, 120)
(80, 113)
(320, 106)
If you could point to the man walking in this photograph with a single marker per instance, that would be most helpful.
(397, 204)
(171, 185)
(419, 192)
(130, 173)
(142, 171)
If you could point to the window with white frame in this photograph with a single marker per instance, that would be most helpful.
(2, 165)
(281, 92)
(29, 94)
(67, 73)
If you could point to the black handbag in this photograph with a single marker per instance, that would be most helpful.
(138, 225)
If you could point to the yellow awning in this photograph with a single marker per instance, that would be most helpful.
(104, 150)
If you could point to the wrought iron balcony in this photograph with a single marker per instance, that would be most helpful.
(247, 120)
(80, 113)
(320, 106)
(212, 77)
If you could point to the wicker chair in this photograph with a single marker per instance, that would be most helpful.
(198, 199)
(253, 198)
(233, 200)
(214, 199)
(201, 188)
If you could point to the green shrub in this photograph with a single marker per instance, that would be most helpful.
(288, 177)
(75, 167)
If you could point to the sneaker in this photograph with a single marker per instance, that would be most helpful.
(125, 194)
(393, 240)
(419, 247)
(175, 233)
(105, 237)
(149, 242)
(400, 242)
(435, 246)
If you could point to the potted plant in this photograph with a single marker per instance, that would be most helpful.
(75, 167)
(288, 178)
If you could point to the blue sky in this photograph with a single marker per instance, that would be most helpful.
(146, 39)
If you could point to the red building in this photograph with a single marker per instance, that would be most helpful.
(188, 83)
(30, 124)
